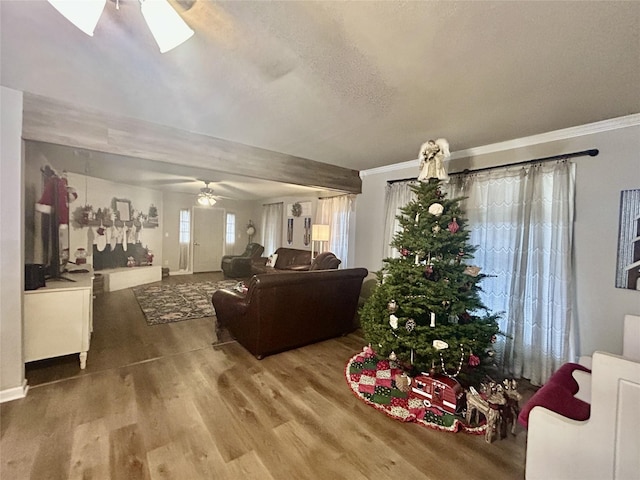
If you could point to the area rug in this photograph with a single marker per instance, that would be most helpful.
(372, 380)
(178, 302)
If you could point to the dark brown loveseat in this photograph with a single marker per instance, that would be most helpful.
(288, 259)
(288, 310)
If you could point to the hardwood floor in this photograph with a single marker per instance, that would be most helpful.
(162, 403)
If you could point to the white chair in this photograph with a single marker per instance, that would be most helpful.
(607, 444)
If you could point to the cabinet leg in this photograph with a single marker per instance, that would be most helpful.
(83, 360)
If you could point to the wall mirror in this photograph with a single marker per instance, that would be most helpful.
(122, 207)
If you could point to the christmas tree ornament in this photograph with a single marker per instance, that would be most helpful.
(474, 360)
(457, 372)
(491, 352)
(440, 344)
(453, 226)
(472, 271)
(392, 306)
(410, 325)
(404, 252)
(392, 356)
(393, 321)
(428, 271)
(433, 320)
(436, 209)
(435, 229)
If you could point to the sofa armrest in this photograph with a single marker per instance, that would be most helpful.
(231, 302)
(584, 385)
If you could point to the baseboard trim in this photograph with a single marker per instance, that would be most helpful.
(14, 393)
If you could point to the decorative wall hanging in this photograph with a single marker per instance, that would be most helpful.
(628, 265)
(296, 209)
(289, 231)
(307, 231)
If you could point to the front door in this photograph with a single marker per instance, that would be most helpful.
(208, 239)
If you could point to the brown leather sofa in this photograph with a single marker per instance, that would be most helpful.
(288, 310)
(288, 259)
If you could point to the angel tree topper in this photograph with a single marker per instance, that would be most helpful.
(432, 156)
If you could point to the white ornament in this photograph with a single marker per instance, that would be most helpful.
(393, 357)
(440, 345)
(436, 209)
(393, 321)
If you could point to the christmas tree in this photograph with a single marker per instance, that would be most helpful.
(426, 311)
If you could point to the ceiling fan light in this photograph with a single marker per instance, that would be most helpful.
(206, 197)
(84, 14)
(167, 27)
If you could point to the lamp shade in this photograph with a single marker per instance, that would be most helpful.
(320, 233)
(167, 27)
(84, 14)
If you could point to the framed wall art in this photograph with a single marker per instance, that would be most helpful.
(628, 264)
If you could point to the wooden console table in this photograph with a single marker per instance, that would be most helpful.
(58, 318)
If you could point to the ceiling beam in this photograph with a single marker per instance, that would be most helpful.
(54, 121)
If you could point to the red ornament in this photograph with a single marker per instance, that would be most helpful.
(404, 252)
(453, 226)
(474, 360)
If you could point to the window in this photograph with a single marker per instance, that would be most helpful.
(185, 238)
(185, 226)
(231, 228)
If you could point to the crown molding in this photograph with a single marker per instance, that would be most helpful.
(563, 134)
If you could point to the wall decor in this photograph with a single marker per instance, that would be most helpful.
(122, 208)
(307, 231)
(628, 264)
(296, 209)
(289, 231)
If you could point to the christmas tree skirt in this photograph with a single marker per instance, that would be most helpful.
(372, 380)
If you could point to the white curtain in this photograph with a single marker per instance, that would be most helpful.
(336, 212)
(271, 227)
(398, 194)
(521, 219)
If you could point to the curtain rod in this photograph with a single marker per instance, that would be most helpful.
(592, 153)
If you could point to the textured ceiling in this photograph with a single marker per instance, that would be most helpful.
(356, 84)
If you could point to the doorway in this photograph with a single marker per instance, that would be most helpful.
(208, 239)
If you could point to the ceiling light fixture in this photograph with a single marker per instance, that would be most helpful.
(167, 27)
(205, 197)
(84, 15)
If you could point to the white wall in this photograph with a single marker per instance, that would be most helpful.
(600, 306)
(298, 222)
(12, 380)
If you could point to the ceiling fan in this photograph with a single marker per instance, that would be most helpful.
(167, 27)
(206, 198)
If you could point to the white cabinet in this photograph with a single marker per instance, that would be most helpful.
(58, 318)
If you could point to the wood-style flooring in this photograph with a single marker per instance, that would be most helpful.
(162, 402)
